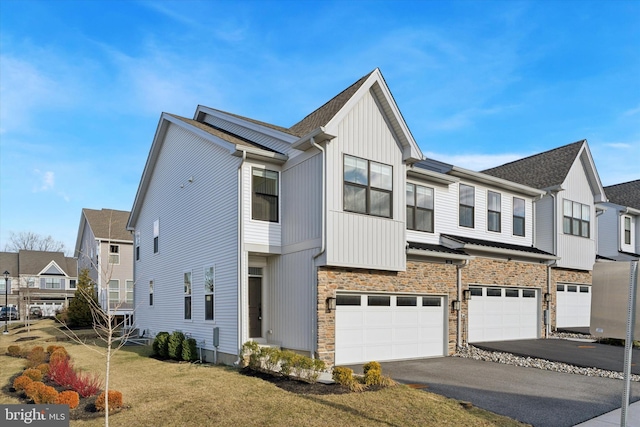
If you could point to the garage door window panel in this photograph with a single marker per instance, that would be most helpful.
(511, 293)
(528, 293)
(378, 301)
(431, 301)
(406, 301)
(352, 300)
(494, 292)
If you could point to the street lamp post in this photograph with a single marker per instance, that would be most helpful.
(6, 301)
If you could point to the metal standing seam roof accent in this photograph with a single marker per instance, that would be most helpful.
(223, 134)
(108, 224)
(499, 245)
(434, 248)
(542, 170)
(624, 194)
(257, 122)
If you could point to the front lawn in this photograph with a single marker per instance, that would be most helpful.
(182, 394)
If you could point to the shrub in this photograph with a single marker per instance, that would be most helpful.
(373, 377)
(68, 397)
(175, 345)
(371, 365)
(34, 374)
(14, 351)
(52, 348)
(271, 358)
(79, 312)
(288, 360)
(20, 383)
(58, 355)
(342, 375)
(62, 373)
(251, 355)
(161, 345)
(44, 368)
(115, 401)
(36, 356)
(41, 393)
(86, 384)
(189, 350)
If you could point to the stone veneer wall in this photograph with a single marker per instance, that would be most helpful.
(561, 275)
(488, 271)
(420, 277)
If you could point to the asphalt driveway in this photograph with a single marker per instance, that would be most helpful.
(534, 396)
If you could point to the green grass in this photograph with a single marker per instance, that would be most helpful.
(183, 394)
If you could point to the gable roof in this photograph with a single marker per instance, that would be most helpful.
(32, 263)
(625, 194)
(108, 224)
(542, 170)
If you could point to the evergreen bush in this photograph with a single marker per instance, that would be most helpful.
(175, 345)
(189, 350)
(160, 345)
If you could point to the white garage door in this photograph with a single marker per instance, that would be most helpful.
(573, 306)
(389, 327)
(500, 314)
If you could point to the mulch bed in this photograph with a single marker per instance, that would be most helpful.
(295, 386)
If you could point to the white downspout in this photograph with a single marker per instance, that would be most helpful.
(314, 306)
(459, 268)
(240, 253)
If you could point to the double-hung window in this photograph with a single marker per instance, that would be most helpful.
(114, 254)
(419, 208)
(466, 210)
(187, 295)
(137, 246)
(368, 187)
(209, 288)
(156, 235)
(494, 211)
(576, 219)
(150, 292)
(52, 283)
(114, 293)
(518, 216)
(264, 205)
(627, 230)
(129, 298)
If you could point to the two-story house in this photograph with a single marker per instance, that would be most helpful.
(38, 278)
(565, 223)
(333, 237)
(105, 248)
(619, 223)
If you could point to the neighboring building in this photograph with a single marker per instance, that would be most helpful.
(565, 223)
(105, 248)
(38, 278)
(619, 224)
(334, 237)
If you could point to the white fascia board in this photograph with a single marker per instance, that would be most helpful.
(496, 182)
(258, 154)
(442, 255)
(432, 176)
(274, 133)
(592, 173)
(508, 252)
(80, 235)
(318, 134)
(52, 264)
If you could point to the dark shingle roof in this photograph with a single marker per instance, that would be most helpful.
(222, 133)
(434, 248)
(9, 262)
(542, 170)
(499, 245)
(33, 262)
(108, 223)
(625, 194)
(324, 114)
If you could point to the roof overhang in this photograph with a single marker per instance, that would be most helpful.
(432, 176)
(318, 135)
(258, 154)
(505, 252)
(440, 255)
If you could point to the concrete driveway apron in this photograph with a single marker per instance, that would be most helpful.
(534, 396)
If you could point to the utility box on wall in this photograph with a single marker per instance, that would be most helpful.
(610, 299)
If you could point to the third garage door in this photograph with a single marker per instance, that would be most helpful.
(500, 314)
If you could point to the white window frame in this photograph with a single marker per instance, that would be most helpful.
(156, 236)
(187, 281)
(209, 291)
(50, 283)
(129, 289)
(497, 212)
(414, 206)
(576, 219)
(114, 254)
(255, 195)
(626, 231)
(151, 286)
(467, 206)
(519, 218)
(369, 184)
(112, 290)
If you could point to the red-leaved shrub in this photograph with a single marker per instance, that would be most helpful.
(86, 384)
(62, 373)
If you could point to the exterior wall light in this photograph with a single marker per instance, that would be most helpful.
(331, 304)
(466, 295)
(455, 305)
(547, 297)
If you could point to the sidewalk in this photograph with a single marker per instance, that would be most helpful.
(613, 418)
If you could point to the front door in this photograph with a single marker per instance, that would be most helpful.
(255, 307)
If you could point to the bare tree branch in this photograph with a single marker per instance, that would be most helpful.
(30, 241)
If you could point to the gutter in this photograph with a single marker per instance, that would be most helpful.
(459, 268)
(240, 255)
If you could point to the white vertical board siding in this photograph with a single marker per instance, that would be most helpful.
(198, 227)
(302, 201)
(292, 300)
(448, 222)
(577, 252)
(259, 232)
(358, 240)
(544, 224)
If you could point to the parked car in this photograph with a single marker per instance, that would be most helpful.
(35, 312)
(9, 313)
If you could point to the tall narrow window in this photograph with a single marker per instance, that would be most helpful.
(150, 292)
(494, 211)
(114, 293)
(209, 288)
(627, 230)
(129, 290)
(467, 206)
(419, 208)
(156, 235)
(264, 204)
(114, 254)
(577, 218)
(368, 187)
(137, 246)
(187, 295)
(518, 216)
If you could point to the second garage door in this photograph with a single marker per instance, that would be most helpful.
(573, 305)
(500, 314)
(389, 327)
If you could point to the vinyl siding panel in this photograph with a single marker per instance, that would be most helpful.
(443, 205)
(198, 227)
(87, 258)
(576, 252)
(608, 231)
(544, 224)
(256, 231)
(358, 240)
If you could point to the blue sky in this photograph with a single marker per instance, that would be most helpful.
(480, 83)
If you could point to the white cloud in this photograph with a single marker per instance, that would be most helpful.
(46, 181)
(621, 145)
(475, 162)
